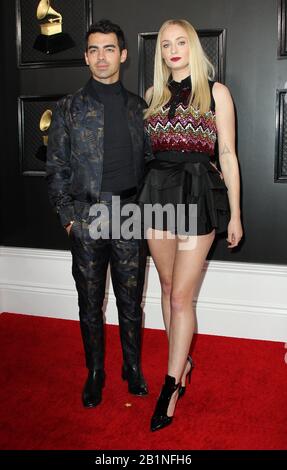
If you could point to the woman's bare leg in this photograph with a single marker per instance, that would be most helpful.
(163, 252)
(187, 271)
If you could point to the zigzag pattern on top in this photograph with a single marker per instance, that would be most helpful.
(185, 128)
(187, 131)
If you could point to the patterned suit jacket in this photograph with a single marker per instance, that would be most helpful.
(76, 148)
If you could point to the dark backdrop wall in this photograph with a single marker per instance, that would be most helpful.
(253, 73)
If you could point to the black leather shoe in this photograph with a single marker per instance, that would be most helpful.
(92, 392)
(136, 381)
(159, 418)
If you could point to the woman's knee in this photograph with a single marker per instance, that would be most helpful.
(181, 300)
(166, 285)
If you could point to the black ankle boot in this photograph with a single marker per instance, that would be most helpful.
(92, 392)
(136, 381)
(160, 419)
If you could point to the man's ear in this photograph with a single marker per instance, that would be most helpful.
(86, 59)
(124, 55)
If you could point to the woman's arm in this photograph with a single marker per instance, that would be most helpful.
(225, 122)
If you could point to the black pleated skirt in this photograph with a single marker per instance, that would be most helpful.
(182, 179)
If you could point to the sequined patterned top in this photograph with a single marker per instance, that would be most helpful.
(177, 127)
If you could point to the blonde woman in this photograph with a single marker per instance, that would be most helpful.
(187, 113)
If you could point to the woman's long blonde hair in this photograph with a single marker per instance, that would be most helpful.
(201, 70)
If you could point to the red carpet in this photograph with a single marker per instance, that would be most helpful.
(237, 398)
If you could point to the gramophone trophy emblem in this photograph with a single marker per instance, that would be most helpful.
(44, 125)
(52, 39)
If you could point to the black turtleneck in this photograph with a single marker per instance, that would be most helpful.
(118, 170)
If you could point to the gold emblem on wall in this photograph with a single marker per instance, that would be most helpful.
(44, 124)
(50, 20)
(52, 39)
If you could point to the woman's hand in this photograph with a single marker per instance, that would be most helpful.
(234, 232)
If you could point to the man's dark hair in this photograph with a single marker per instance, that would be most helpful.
(106, 27)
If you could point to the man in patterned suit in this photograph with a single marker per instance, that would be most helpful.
(96, 151)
